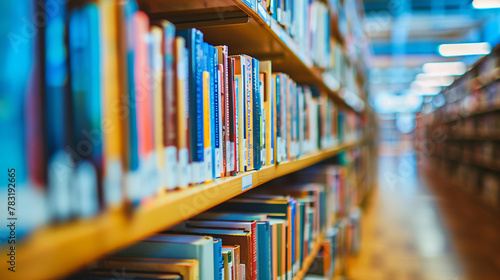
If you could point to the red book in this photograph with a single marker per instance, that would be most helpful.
(232, 117)
(142, 85)
(223, 63)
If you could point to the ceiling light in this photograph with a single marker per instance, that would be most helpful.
(441, 80)
(444, 68)
(486, 4)
(464, 49)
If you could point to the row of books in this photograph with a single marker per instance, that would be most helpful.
(486, 126)
(307, 22)
(485, 184)
(263, 234)
(482, 153)
(125, 107)
(477, 90)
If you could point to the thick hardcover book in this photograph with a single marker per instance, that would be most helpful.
(257, 116)
(156, 65)
(113, 139)
(86, 100)
(182, 98)
(268, 93)
(194, 41)
(188, 269)
(264, 250)
(142, 98)
(218, 260)
(240, 127)
(170, 106)
(215, 112)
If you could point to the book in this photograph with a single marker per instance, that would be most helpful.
(226, 96)
(257, 116)
(269, 109)
(227, 254)
(156, 65)
(248, 111)
(170, 106)
(194, 40)
(235, 250)
(218, 260)
(182, 98)
(187, 268)
(170, 246)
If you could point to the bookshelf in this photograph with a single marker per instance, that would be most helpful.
(246, 31)
(56, 250)
(464, 132)
(50, 252)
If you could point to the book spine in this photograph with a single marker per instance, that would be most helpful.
(233, 148)
(240, 133)
(213, 110)
(222, 145)
(249, 111)
(272, 119)
(197, 103)
(156, 64)
(217, 115)
(170, 107)
(257, 116)
(254, 275)
(181, 58)
(206, 114)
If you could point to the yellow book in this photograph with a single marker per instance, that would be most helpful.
(269, 107)
(240, 123)
(112, 124)
(188, 269)
(157, 75)
(206, 128)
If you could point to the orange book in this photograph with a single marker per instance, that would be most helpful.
(274, 239)
(112, 136)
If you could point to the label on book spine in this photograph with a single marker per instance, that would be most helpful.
(230, 156)
(218, 163)
(112, 182)
(171, 167)
(183, 167)
(246, 182)
(208, 165)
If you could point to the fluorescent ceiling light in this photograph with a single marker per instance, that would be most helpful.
(444, 68)
(441, 80)
(464, 49)
(425, 90)
(486, 4)
(431, 83)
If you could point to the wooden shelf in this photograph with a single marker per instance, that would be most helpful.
(57, 250)
(245, 31)
(472, 114)
(310, 258)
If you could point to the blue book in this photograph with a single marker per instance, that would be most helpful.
(129, 9)
(213, 130)
(216, 112)
(56, 75)
(257, 116)
(218, 259)
(264, 258)
(194, 40)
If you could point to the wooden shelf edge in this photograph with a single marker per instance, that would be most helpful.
(57, 250)
(310, 258)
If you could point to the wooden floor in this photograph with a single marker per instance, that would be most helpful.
(416, 226)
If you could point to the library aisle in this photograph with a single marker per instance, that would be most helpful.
(417, 226)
